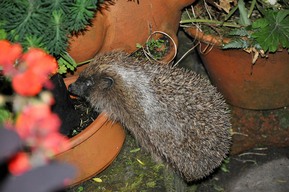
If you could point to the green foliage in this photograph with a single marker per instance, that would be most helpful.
(241, 43)
(272, 31)
(259, 26)
(81, 12)
(155, 47)
(242, 32)
(236, 44)
(224, 167)
(80, 189)
(45, 23)
(4, 115)
(268, 33)
(3, 34)
(244, 20)
(66, 62)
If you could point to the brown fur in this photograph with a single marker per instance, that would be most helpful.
(175, 114)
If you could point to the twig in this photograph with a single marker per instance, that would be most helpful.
(212, 22)
(187, 52)
(252, 153)
(238, 133)
(206, 7)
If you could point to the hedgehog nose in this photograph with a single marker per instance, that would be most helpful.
(72, 89)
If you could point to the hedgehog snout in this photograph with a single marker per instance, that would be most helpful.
(77, 88)
(72, 89)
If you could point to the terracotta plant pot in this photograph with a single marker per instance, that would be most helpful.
(263, 85)
(125, 23)
(94, 148)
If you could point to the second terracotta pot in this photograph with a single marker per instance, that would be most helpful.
(263, 85)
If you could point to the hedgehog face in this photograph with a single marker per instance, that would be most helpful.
(85, 86)
(98, 84)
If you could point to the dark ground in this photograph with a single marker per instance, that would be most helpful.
(256, 169)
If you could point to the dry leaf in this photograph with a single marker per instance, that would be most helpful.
(226, 5)
(96, 179)
(140, 162)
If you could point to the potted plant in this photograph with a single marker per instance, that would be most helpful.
(244, 47)
(47, 24)
(98, 144)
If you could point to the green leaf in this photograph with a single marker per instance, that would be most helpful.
(139, 46)
(81, 12)
(4, 115)
(62, 69)
(56, 39)
(66, 62)
(3, 34)
(272, 32)
(260, 23)
(33, 41)
(281, 15)
(244, 19)
(239, 32)
(80, 189)
(236, 44)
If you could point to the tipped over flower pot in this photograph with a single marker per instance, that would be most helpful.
(124, 24)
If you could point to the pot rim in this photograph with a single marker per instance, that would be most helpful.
(206, 38)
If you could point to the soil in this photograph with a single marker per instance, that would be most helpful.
(87, 115)
(211, 11)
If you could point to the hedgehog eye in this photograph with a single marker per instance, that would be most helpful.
(108, 82)
(88, 82)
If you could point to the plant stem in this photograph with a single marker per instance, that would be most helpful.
(231, 13)
(84, 62)
(226, 24)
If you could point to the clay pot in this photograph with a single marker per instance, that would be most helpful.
(94, 148)
(263, 85)
(126, 23)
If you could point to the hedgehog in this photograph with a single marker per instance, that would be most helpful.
(178, 116)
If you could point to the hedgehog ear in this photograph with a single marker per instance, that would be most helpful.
(107, 82)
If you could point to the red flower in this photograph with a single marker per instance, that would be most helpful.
(38, 65)
(8, 55)
(37, 121)
(38, 126)
(40, 62)
(31, 73)
(19, 163)
(27, 83)
(55, 143)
